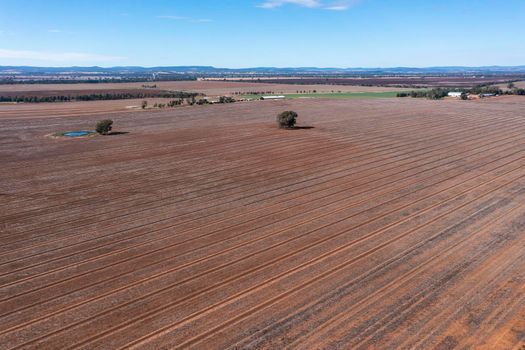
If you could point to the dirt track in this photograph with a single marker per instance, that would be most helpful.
(393, 223)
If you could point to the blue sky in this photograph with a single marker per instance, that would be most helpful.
(253, 33)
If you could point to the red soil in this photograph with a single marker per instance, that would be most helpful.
(418, 81)
(212, 88)
(78, 92)
(393, 223)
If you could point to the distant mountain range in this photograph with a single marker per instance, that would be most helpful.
(257, 71)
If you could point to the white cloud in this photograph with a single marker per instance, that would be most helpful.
(278, 3)
(326, 5)
(56, 56)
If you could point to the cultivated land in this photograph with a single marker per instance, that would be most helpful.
(337, 95)
(64, 109)
(518, 84)
(393, 223)
(406, 81)
(212, 88)
(208, 88)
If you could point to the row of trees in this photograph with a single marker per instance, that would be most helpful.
(189, 101)
(98, 97)
(434, 94)
(253, 93)
(439, 93)
(170, 104)
(96, 80)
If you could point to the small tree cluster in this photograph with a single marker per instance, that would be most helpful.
(104, 126)
(202, 101)
(174, 103)
(226, 99)
(287, 119)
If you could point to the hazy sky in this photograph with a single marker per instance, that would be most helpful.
(282, 33)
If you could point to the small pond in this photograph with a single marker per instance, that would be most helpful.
(79, 133)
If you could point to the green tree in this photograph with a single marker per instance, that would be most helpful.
(287, 119)
(226, 99)
(144, 104)
(104, 126)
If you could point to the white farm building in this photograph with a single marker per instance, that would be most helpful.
(273, 97)
(454, 94)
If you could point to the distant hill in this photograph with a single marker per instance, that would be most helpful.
(272, 71)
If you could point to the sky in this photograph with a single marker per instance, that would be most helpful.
(262, 33)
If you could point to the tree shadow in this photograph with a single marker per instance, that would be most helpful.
(302, 128)
(116, 133)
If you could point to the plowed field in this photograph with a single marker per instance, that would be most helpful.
(391, 224)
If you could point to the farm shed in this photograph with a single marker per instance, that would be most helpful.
(273, 97)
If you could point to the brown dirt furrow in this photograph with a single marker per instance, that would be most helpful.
(61, 288)
(328, 254)
(507, 135)
(21, 214)
(393, 223)
(163, 248)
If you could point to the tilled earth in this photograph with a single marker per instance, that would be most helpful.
(387, 224)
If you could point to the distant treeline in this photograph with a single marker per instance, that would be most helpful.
(12, 81)
(98, 97)
(253, 93)
(439, 93)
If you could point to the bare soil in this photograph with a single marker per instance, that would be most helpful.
(391, 224)
(212, 88)
(410, 81)
(75, 91)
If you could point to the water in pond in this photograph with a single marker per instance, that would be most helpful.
(77, 133)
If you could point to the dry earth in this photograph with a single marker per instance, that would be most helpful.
(73, 109)
(518, 84)
(212, 88)
(393, 223)
(410, 81)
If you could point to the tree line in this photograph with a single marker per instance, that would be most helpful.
(101, 80)
(98, 97)
(253, 93)
(439, 93)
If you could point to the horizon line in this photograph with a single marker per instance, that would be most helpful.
(261, 67)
